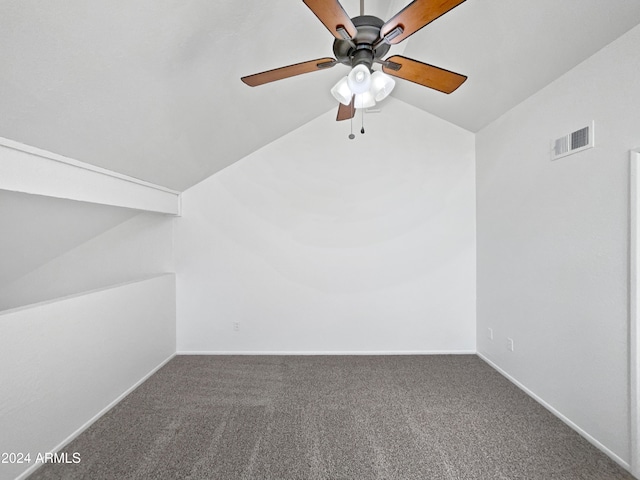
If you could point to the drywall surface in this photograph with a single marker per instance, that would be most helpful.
(553, 242)
(65, 361)
(138, 247)
(36, 229)
(318, 243)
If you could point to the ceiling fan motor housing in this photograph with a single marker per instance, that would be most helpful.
(368, 34)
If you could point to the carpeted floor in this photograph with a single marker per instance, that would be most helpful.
(331, 417)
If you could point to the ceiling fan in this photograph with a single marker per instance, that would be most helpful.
(362, 41)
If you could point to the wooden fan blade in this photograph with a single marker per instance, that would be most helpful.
(415, 16)
(289, 71)
(423, 73)
(333, 16)
(345, 112)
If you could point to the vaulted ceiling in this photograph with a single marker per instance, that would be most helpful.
(151, 88)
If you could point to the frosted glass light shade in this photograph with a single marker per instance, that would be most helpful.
(364, 100)
(359, 79)
(381, 85)
(342, 92)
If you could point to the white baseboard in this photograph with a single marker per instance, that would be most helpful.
(558, 414)
(327, 352)
(91, 421)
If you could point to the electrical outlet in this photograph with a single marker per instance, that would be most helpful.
(490, 333)
(236, 326)
(510, 344)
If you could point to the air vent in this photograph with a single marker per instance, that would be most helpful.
(562, 146)
(573, 142)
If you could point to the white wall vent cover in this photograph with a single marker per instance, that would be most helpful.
(574, 142)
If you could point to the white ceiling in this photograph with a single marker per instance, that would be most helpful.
(151, 88)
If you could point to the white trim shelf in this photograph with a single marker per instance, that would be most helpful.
(28, 169)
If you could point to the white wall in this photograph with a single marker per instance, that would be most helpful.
(318, 243)
(64, 362)
(136, 248)
(553, 242)
(36, 229)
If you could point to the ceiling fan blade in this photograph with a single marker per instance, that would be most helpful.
(288, 71)
(345, 112)
(333, 16)
(423, 73)
(415, 16)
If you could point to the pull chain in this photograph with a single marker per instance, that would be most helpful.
(362, 129)
(351, 135)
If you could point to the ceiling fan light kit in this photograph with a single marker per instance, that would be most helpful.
(364, 100)
(381, 85)
(360, 42)
(359, 79)
(368, 88)
(342, 92)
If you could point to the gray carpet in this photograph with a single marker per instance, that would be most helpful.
(388, 417)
